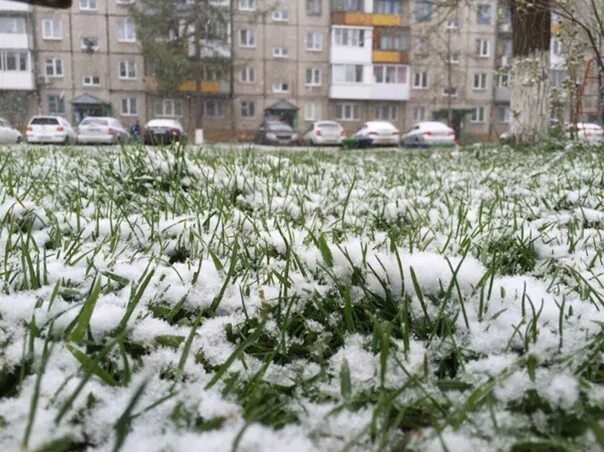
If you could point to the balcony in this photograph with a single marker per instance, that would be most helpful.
(369, 91)
(6, 6)
(502, 94)
(365, 19)
(504, 28)
(390, 56)
(14, 41)
(17, 80)
(206, 87)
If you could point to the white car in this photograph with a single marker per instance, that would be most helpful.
(429, 133)
(50, 129)
(323, 133)
(163, 131)
(592, 133)
(381, 133)
(101, 130)
(8, 134)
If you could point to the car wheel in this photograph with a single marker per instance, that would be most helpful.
(19, 140)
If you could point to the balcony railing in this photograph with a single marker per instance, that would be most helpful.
(390, 56)
(365, 19)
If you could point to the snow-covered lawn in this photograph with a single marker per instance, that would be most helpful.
(307, 301)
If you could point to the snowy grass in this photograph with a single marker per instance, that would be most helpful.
(177, 299)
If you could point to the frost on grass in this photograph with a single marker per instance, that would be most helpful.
(170, 299)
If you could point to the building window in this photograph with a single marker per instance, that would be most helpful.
(348, 112)
(129, 106)
(483, 14)
(280, 52)
(482, 48)
(125, 31)
(423, 11)
(313, 76)
(168, 107)
(451, 91)
(349, 37)
(280, 87)
(89, 43)
(452, 22)
(88, 5)
(91, 80)
(503, 114)
(124, 2)
(394, 39)
(280, 16)
(556, 47)
(348, 5)
(12, 25)
(478, 115)
(248, 75)
(247, 5)
(51, 29)
(419, 114)
(248, 109)
(557, 77)
(480, 81)
(127, 70)
(386, 112)
(388, 6)
(247, 38)
(313, 7)
(420, 80)
(314, 41)
(14, 60)
(213, 108)
(389, 74)
(502, 80)
(54, 67)
(56, 104)
(454, 58)
(212, 74)
(347, 73)
(312, 111)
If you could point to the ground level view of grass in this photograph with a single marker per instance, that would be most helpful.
(183, 299)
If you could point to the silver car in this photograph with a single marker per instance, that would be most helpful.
(101, 130)
(8, 134)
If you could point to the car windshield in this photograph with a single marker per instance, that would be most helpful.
(278, 127)
(329, 125)
(94, 122)
(45, 121)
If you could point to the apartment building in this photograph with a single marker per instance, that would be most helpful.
(17, 81)
(459, 68)
(369, 61)
(89, 61)
(295, 60)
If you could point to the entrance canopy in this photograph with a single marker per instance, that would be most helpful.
(89, 105)
(283, 111)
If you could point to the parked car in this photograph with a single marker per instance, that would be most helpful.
(381, 133)
(429, 133)
(324, 133)
(50, 129)
(276, 133)
(101, 130)
(592, 133)
(163, 131)
(8, 134)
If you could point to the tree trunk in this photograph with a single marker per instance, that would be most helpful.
(530, 72)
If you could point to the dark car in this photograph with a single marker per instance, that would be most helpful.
(163, 131)
(277, 133)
